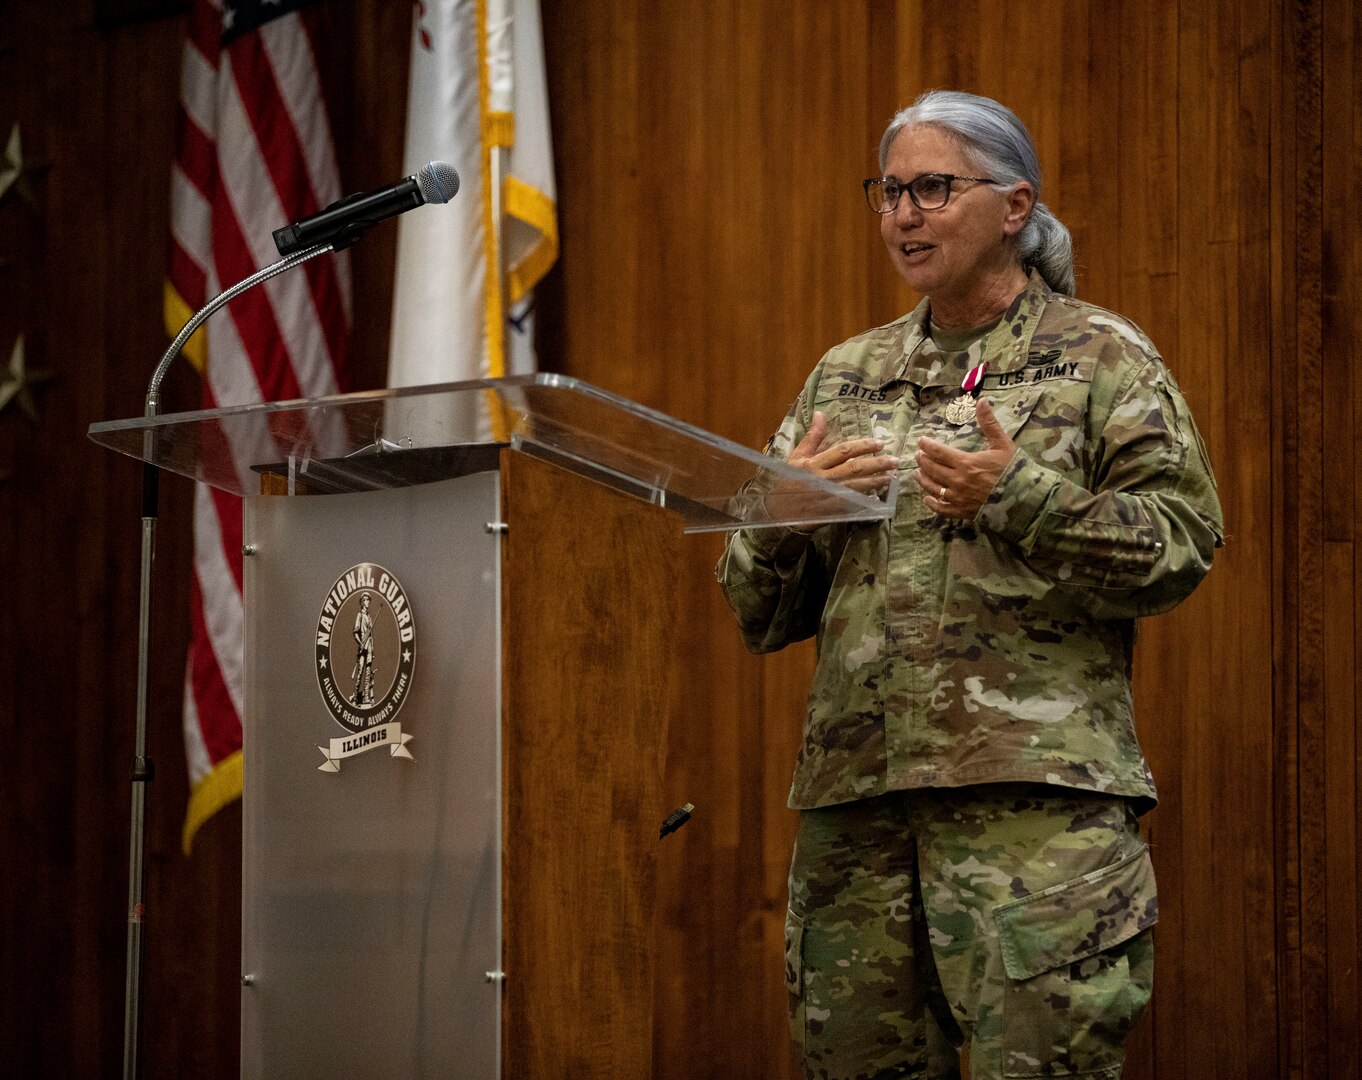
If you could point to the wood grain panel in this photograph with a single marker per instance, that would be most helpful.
(1340, 749)
(1341, 296)
(101, 194)
(589, 592)
(1304, 465)
(1237, 405)
(1285, 539)
(1341, 240)
(1215, 778)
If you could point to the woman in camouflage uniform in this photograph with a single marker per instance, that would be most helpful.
(969, 865)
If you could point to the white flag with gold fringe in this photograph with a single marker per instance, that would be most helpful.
(463, 299)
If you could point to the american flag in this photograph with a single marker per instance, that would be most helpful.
(255, 153)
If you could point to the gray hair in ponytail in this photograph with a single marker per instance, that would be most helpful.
(998, 143)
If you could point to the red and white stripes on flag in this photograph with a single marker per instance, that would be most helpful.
(255, 153)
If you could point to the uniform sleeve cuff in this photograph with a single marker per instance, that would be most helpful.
(779, 543)
(1018, 498)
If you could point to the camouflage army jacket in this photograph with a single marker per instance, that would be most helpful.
(1000, 649)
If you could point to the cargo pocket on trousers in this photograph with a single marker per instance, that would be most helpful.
(1078, 961)
(794, 974)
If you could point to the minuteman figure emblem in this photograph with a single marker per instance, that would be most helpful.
(365, 652)
(364, 658)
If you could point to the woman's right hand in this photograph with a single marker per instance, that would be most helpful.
(856, 463)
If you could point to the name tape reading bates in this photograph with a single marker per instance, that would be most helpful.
(365, 655)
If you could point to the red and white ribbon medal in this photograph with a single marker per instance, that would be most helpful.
(961, 409)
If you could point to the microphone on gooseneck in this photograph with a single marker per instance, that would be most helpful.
(345, 221)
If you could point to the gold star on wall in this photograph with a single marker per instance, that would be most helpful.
(15, 172)
(17, 382)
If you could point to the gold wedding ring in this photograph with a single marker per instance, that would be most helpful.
(942, 496)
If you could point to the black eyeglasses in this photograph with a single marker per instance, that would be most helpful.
(929, 191)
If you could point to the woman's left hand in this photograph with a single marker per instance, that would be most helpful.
(954, 482)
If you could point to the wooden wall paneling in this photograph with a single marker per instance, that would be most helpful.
(1235, 403)
(826, 64)
(1162, 670)
(1340, 750)
(67, 901)
(1348, 158)
(1285, 46)
(942, 52)
(831, 56)
(1216, 783)
(884, 293)
(782, 288)
(682, 198)
(1349, 1023)
(1337, 404)
(1145, 144)
(725, 225)
(592, 53)
(43, 821)
(17, 248)
(900, 54)
(71, 788)
(1304, 470)
(1082, 185)
(996, 61)
(25, 826)
(1041, 58)
(1340, 322)
(1237, 388)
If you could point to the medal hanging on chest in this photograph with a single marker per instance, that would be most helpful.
(961, 409)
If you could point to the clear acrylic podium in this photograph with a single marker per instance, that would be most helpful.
(449, 848)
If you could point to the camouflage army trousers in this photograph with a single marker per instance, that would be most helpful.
(1016, 917)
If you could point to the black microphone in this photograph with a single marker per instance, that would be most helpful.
(344, 222)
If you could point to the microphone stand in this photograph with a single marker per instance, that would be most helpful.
(142, 768)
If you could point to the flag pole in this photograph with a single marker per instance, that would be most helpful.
(498, 174)
(497, 408)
